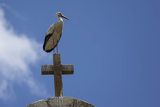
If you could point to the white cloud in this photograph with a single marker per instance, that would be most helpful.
(17, 52)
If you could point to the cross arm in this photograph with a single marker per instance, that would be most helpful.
(49, 69)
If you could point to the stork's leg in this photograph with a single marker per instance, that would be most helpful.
(57, 49)
(54, 51)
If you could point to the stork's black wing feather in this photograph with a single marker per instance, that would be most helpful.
(45, 41)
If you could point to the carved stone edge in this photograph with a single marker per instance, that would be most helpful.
(52, 101)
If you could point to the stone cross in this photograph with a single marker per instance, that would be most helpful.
(57, 69)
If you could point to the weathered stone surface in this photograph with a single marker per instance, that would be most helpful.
(60, 102)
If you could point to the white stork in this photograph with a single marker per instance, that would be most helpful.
(54, 34)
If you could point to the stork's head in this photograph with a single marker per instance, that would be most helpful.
(60, 15)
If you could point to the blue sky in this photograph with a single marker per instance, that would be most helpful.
(114, 46)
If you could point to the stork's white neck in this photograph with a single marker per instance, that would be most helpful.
(60, 19)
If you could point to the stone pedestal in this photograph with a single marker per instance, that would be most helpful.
(60, 102)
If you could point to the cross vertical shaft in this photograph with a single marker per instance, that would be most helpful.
(57, 69)
(57, 75)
